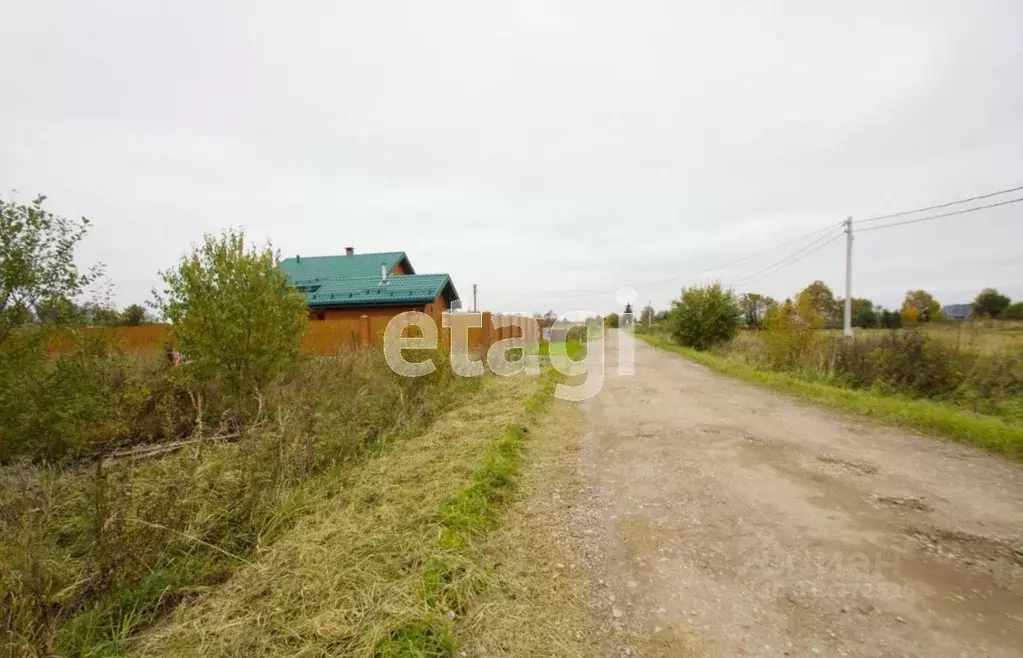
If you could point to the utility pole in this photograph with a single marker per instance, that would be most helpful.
(848, 277)
(474, 298)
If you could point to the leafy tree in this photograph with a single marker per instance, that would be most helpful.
(38, 275)
(99, 315)
(1013, 312)
(235, 314)
(611, 320)
(863, 313)
(818, 297)
(648, 314)
(889, 319)
(754, 307)
(134, 315)
(927, 308)
(990, 303)
(549, 318)
(704, 316)
(909, 316)
(790, 331)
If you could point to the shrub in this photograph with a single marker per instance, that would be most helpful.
(790, 331)
(989, 303)
(236, 316)
(704, 316)
(93, 555)
(88, 400)
(1013, 312)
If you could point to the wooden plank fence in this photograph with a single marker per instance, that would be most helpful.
(324, 337)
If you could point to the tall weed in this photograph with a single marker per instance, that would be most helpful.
(92, 553)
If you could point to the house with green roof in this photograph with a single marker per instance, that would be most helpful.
(379, 284)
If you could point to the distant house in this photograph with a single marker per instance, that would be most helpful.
(382, 284)
(957, 311)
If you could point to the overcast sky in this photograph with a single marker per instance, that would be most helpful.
(539, 149)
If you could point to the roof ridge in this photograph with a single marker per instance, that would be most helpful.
(421, 274)
(368, 253)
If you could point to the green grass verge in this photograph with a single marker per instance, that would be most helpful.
(452, 578)
(937, 418)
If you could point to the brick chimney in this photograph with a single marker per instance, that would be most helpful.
(349, 251)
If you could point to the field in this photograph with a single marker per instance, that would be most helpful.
(989, 337)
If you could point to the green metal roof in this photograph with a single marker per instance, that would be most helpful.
(369, 291)
(307, 271)
(355, 280)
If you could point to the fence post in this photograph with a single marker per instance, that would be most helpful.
(365, 338)
(486, 331)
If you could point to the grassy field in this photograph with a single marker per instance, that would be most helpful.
(987, 336)
(945, 419)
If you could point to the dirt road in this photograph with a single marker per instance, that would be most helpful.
(768, 527)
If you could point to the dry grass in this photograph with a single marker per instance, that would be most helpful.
(537, 604)
(984, 336)
(368, 571)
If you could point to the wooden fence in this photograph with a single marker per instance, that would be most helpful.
(324, 337)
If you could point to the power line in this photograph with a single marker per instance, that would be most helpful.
(947, 214)
(794, 257)
(940, 205)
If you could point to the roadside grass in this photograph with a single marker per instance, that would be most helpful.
(390, 564)
(537, 604)
(938, 418)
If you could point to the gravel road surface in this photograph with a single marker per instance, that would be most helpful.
(763, 526)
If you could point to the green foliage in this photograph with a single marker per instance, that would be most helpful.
(134, 316)
(427, 637)
(890, 319)
(990, 304)
(236, 316)
(1012, 312)
(754, 308)
(920, 306)
(38, 275)
(85, 400)
(863, 313)
(704, 316)
(611, 320)
(98, 315)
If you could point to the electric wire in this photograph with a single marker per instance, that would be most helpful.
(940, 205)
(792, 258)
(947, 214)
